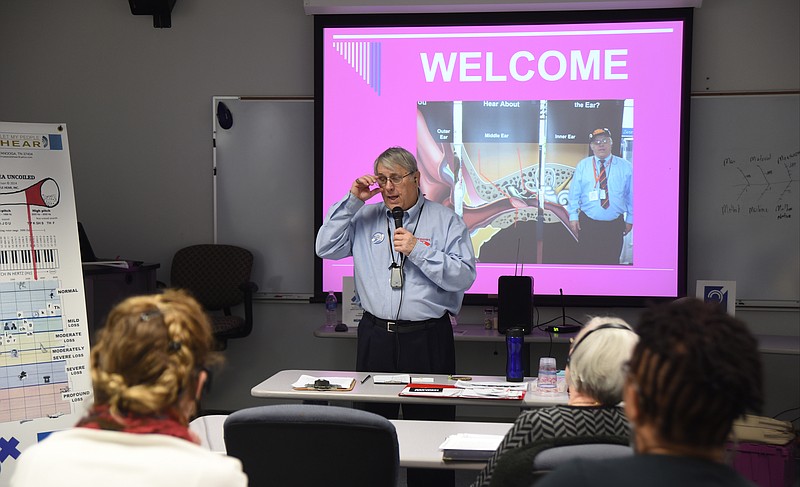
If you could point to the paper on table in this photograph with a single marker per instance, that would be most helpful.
(430, 390)
(470, 446)
(481, 391)
(392, 379)
(493, 393)
(517, 386)
(338, 382)
(471, 441)
(500, 390)
(400, 379)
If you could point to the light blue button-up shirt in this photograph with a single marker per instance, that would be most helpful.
(620, 190)
(436, 273)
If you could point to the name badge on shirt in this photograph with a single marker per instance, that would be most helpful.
(602, 194)
(594, 195)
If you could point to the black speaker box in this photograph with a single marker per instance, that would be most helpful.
(515, 303)
(161, 10)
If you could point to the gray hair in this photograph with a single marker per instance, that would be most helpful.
(396, 158)
(595, 367)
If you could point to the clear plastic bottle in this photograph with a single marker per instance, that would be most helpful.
(330, 309)
(488, 318)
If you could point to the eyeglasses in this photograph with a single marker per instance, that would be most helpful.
(382, 180)
(601, 141)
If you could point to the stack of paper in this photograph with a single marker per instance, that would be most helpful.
(469, 446)
(469, 390)
(392, 379)
(430, 390)
(493, 390)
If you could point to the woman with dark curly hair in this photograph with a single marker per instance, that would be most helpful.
(695, 370)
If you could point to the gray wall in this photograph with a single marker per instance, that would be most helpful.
(137, 104)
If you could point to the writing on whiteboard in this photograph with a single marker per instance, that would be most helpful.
(762, 185)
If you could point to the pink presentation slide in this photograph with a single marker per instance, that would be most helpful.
(499, 118)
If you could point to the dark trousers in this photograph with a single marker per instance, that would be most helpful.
(427, 351)
(600, 242)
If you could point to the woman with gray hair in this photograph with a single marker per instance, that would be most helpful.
(595, 378)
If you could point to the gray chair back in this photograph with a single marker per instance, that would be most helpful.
(523, 466)
(551, 458)
(307, 445)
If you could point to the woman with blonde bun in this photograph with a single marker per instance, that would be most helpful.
(149, 366)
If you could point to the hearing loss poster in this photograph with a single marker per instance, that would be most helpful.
(44, 343)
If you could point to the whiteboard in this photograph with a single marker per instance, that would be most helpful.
(744, 196)
(264, 189)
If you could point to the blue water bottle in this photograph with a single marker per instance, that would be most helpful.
(515, 338)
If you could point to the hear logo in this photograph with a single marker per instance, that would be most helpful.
(722, 293)
(715, 294)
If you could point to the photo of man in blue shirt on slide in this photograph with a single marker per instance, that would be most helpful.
(601, 201)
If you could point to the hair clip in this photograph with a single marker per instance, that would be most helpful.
(145, 316)
(174, 346)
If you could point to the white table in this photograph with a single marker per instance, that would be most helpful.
(419, 441)
(279, 386)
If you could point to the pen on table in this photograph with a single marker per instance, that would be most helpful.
(365, 378)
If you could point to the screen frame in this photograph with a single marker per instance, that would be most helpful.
(684, 15)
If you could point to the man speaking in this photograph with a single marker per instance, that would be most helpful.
(601, 201)
(413, 260)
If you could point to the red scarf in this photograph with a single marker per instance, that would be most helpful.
(100, 418)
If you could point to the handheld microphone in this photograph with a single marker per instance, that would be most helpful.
(397, 214)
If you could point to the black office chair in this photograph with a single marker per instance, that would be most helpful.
(308, 445)
(524, 466)
(218, 276)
